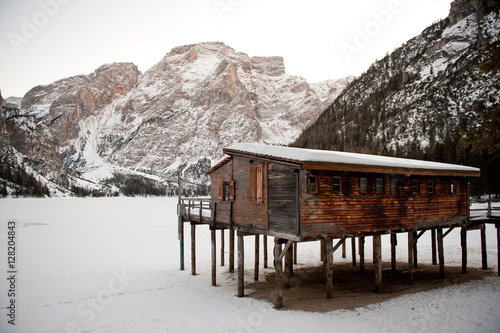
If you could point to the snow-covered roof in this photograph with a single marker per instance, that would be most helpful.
(313, 158)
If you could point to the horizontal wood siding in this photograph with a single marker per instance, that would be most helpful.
(223, 174)
(244, 210)
(282, 192)
(352, 211)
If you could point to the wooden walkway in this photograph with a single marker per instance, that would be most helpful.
(203, 211)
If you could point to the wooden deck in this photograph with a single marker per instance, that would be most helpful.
(203, 211)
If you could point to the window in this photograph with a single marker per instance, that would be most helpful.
(431, 186)
(414, 186)
(363, 185)
(453, 187)
(312, 184)
(379, 185)
(256, 183)
(226, 191)
(337, 188)
(394, 185)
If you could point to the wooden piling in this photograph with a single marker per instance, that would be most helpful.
(222, 247)
(377, 254)
(410, 257)
(434, 246)
(323, 254)
(295, 253)
(264, 240)
(241, 266)
(231, 250)
(415, 251)
(214, 256)
(361, 242)
(329, 266)
(193, 249)
(257, 255)
(463, 243)
(344, 251)
(278, 304)
(394, 243)
(497, 225)
(439, 231)
(353, 250)
(484, 253)
(288, 267)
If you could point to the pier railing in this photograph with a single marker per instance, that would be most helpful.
(484, 209)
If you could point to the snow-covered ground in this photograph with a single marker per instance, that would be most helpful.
(112, 265)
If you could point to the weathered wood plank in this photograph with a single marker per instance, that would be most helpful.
(241, 266)
(278, 304)
(377, 250)
(329, 267)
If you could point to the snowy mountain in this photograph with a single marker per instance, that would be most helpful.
(177, 115)
(422, 99)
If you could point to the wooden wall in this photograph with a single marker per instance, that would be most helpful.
(326, 212)
(353, 211)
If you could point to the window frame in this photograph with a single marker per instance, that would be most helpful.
(334, 184)
(363, 188)
(394, 186)
(431, 186)
(453, 187)
(415, 186)
(316, 185)
(379, 187)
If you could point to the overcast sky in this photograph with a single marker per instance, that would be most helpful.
(42, 41)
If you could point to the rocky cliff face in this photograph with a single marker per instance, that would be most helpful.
(181, 112)
(420, 100)
(4, 137)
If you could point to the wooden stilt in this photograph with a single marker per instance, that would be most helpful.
(415, 251)
(278, 304)
(394, 243)
(440, 252)
(323, 254)
(222, 247)
(231, 250)
(484, 253)
(463, 243)
(295, 253)
(497, 225)
(344, 251)
(257, 255)
(241, 266)
(353, 251)
(361, 242)
(288, 267)
(434, 247)
(214, 257)
(193, 249)
(265, 250)
(181, 243)
(329, 267)
(377, 253)
(410, 257)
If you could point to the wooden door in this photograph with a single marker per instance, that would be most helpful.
(282, 199)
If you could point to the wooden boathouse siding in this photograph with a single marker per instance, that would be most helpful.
(284, 204)
(297, 195)
(349, 211)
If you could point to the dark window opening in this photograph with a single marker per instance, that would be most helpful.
(363, 185)
(337, 188)
(379, 185)
(312, 184)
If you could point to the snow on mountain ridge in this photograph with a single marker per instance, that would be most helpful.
(196, 100)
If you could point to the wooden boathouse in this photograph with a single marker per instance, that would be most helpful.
(298, 195)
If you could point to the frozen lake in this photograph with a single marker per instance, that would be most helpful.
(112, 265)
